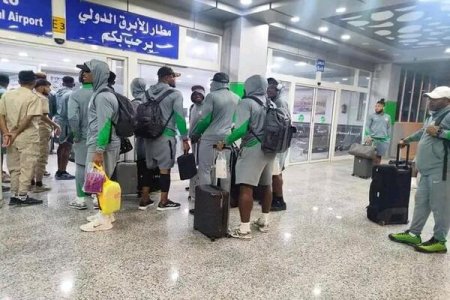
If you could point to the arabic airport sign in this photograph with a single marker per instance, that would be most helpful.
(105, 26)
(27, 16)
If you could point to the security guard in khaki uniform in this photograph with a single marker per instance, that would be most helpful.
(46, 126)
(20, 113)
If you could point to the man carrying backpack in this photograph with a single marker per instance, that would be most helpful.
(102, 140)
(275, 93)
(157, 121)
(432, 161)
(254, 167)
(218, 111)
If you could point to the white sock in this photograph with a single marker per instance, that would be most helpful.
(264, 218)
(80, 200)
(245, 227)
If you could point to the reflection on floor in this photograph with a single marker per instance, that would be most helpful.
(322, 247)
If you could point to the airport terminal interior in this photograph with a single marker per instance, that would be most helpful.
(334, 62)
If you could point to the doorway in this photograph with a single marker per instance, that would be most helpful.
(313, 116)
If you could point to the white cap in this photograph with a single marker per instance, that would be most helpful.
(439, 92)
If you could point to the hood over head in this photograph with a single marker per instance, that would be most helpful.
(256, 85)
(215, 85)
(138, 87)
(100, 73)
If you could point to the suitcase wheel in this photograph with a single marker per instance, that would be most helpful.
(213, 239)
(382, 223)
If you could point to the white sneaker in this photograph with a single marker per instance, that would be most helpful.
(99, 224)
(98, 215)
(79, 203)
(237, 233)
(261, 225)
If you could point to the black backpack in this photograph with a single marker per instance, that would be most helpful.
(126, 122)
(278, 130)
(149, 117)
(446, 142)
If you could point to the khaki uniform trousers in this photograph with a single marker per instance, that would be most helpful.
(21, 160)
(44, 150)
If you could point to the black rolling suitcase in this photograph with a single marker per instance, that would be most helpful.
(126, 175)
(389, 192)
(211, 211)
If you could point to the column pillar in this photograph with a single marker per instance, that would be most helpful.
(244, 54)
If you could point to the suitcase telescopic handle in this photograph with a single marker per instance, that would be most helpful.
(399, 148)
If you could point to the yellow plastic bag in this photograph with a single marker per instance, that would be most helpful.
(110, 198)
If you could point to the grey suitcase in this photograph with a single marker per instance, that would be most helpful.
(362, 167)
(126, 176)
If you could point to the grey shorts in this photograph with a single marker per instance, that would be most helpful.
(160, 152)
(381, 147)
(280, 159)
(66, 134)
(80, 150)
(254, 167)
(110, 159)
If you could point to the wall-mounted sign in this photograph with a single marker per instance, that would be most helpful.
(320, 65)
(59, 25)
(27, 16)
(105, 26)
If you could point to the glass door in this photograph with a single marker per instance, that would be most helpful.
(322, 121)
(313, 116)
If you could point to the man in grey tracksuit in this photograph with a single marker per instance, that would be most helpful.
(253, 167)
(277, 94)
(65, 138)
(218, 111)
(102, 140)
(378, 131)
(160, 152)
(433, 191)
(195, 113)
(78, 121)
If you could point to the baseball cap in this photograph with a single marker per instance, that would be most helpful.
(439, 92)
(221, 77)
(84, 68)
(198, 89)
(41, 82)
(27, 76)
(166, 71)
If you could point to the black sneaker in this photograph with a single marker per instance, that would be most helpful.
(278, 205)
(168, 205)
(28, 201)
(33, 182)
(64, 176)
(5, 189)
(143, 205)
(14, 201)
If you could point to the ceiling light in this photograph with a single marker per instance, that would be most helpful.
(49, 33)
(13, 26)
(246, 2)
(345, 79)
(66, 60)
(43, 65)
(345, 37)
(295, 19)
(323, 28)
(23, 54)
(300, 64)
(368, 78)
(447, 50)
(337, 82)
(4, 60)
(340, 10)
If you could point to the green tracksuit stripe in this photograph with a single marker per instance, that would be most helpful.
(238, 133)
(202, 124)
(80, 192)
(181, 123)
(104, 134)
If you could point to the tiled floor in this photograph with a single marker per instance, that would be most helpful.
(322, 247)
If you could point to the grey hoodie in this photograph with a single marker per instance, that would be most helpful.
(250, 115)
(218, 110)
(138, 87)
(62, 100)
(430, 152)
(103, 110)
(378, 126)
(78, 111)
(172, 103)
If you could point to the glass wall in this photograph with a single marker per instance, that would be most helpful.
(350, 121)
(301, 117)
(293, 65)
(338, 74)
(363, 79)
